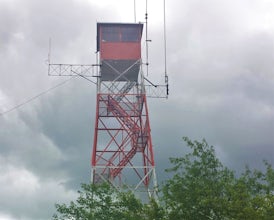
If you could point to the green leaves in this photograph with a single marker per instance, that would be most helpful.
(201, 188)
(196, 189)
(103, 202)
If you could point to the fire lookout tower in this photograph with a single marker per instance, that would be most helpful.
(122, 151)
(122, 145)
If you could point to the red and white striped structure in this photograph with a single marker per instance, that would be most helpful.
(122, 149)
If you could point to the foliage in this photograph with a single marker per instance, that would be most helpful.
(201, 188)
(197, 190)
(251, 195)
(103, 202)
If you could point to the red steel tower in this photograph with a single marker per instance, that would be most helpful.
(122, 149)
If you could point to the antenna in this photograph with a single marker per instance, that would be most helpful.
(49, 50)
(165, 50)
(134, 11)
(48, 60)
(147, 40)
(154, 90)
(58, 69)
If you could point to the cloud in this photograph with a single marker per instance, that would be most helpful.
(221, 82)
(220, 68)
(24, 194)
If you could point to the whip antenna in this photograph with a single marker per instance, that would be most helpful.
(147, 40)
(165, 50)
(134, 11)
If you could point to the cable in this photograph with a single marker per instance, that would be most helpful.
(84, 77)
(34, 97)
(151, 83)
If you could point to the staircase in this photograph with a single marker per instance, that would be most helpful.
(139, 137)
(124, 90)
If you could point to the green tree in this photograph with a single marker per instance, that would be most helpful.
(203, 188)
(100, 202)
(103, 202)
(197, 189)
(251, 195)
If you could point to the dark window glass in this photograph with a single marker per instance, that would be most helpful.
(130, 34)
(110, 34)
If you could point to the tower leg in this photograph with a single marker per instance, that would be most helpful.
(122, 149)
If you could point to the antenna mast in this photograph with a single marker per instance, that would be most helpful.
(154, 90)
(165, 50)
(147, 40)
(48, 60)
(134, 11)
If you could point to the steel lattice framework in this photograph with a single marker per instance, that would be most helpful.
(122, 142)
(122, 151)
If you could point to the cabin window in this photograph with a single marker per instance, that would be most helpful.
(120, 34)
(130, 34)
(110, 34)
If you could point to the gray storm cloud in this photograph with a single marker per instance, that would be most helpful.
(220, 56)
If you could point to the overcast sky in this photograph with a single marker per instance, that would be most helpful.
(220, 57)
